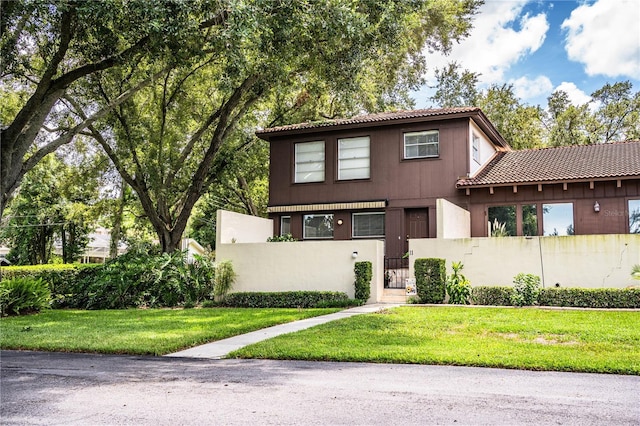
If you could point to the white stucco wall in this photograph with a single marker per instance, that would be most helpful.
(591, 261)
(452, 221)
(486, 149)
(309, 265)
(241, 228)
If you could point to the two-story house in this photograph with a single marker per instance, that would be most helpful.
(380, 176)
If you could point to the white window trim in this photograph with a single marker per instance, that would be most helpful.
(425, 132)
(475, 147)
(342, 160)
(353, 223)
(296, 162)
(281, 220)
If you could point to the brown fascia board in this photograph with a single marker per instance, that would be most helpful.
(482, 121)
(544, 182)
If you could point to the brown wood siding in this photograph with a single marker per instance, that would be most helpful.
(414, 182)
(613, 217)
(405, 184)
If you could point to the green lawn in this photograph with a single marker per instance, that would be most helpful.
(536, 339)
(138, 331)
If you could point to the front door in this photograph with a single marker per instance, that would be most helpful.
(417, 225)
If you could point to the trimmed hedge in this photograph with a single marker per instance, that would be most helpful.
(431, 275)
(58, 277)
(564, 297)
(363, 280)
(590, 297)
(491, 296)
(289, 299)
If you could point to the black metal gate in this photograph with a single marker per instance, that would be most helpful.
(396, 271)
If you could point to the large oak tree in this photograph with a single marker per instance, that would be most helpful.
(172, 139)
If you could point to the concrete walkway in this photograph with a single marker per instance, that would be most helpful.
(220, 348)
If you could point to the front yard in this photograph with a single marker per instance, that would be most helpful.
(521, 338)
(138, 331)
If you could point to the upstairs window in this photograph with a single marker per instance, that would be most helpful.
(309, 162)
(476, 148)
(353, 158)
(421, 144)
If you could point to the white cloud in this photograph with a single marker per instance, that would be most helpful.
(576, 96)
(494, 44)
(525, 88)
(604, 36)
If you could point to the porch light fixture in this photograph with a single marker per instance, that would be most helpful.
(340, 222)
(596, 207)
(354, 254)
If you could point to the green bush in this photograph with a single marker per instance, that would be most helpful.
(224, 279)
(430, 280)
(590, 297)
(491, 296)
(23, 295)
(458, 286)
(281, 238)
(362, 284)
(525, 289)
(289, 299)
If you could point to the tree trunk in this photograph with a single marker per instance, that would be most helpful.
(116, 230)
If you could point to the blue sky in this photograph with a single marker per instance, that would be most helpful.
(540, 46)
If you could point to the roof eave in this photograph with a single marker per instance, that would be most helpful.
(543, 182)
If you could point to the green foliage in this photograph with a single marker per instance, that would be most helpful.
(52, 206)
(491, 295)
(135, 279)
(225, 277)
(288, 299)
(23, 295)
(525, 289)
(430, 280)
(281, 238)
(458, 286)
(455, 87)
(590, 297)
(362, 284)
(635, 272)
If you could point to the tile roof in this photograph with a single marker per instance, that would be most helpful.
(583, 162)
(373, 118)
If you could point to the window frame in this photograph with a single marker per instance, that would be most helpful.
(281, 223)
(475, 147)
(342, 160)
(353, 225)
(629, 213)
(296, 163)
(572, 224)
(418, 133)
(304, 226)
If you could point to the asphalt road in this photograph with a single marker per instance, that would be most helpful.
(82, 389)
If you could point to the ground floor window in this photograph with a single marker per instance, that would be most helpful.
(557, 219)
(529, 220)
(634, 216)
(367, 225)
(285, 225)
(317, 226)
(502, 221)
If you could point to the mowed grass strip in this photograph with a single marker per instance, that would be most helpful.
(138, 331)
(523, 338)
